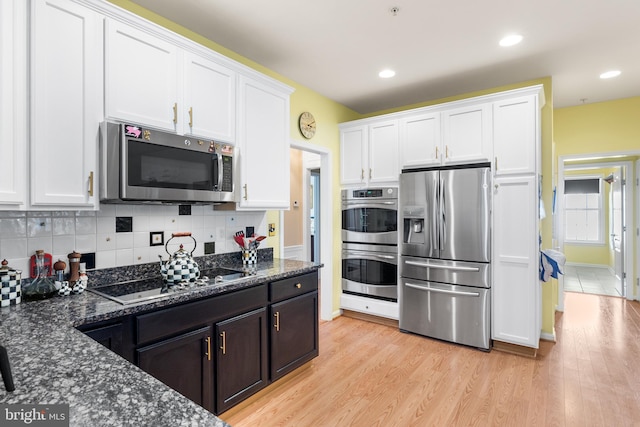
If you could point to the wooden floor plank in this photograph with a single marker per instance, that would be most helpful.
(369, 374)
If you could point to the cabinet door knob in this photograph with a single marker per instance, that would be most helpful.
(298, 285)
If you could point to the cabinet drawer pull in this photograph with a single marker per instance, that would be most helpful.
(175, 113)
(362, 175)
(436, 153)
(208, 353)
(223, 335)
(446, 151)
(298, 285)
(245, 191)
(277, 325)
(190, 117)
(91, 184)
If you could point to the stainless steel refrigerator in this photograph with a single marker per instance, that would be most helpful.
(445, 221)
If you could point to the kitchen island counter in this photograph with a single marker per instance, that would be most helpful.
(52, 362)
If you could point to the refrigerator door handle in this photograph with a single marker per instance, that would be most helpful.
(442, 267)
(443, 216)
(442, 291)
(435, 207)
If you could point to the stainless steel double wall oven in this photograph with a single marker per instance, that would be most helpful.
(370, 243)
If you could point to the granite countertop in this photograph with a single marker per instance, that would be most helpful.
(53, 363)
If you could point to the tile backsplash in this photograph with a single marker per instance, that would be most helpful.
(61, 232)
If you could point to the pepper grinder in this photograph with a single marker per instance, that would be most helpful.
(59, 267)
(74, 267)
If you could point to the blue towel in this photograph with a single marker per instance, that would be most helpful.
(551, 263)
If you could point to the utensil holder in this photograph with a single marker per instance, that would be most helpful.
(249, 256)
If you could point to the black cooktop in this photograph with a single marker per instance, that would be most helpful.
(147, 289)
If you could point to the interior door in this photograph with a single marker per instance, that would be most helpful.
(617, 224)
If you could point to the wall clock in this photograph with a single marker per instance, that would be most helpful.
(307, 125)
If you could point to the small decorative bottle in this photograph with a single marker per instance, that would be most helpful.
(41, 287)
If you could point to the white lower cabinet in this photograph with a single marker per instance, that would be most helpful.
(263, 142)
(13, 106)
(370, 306)
(65, 105)
(516, 293)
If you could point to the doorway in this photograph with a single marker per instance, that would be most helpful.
(612, 250)
(316, 185)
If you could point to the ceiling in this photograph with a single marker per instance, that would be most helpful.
(438, 48)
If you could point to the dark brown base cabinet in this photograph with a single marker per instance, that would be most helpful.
(294, 335)
(241, 364)
(183, 363)
(220, 350)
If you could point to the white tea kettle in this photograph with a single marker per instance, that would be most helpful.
(180, 267)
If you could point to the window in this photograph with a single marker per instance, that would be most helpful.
(583, 210)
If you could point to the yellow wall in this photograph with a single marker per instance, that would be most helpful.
(294, 216)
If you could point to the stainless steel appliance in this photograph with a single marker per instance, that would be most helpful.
(135, 291)
(370, 243)
(144, 165)
(370, 216)
(445, 287)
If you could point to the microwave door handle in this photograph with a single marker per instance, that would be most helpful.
(220, 171)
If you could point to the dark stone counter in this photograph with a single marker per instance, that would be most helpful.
(52, 362)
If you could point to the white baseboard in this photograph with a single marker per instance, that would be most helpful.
(548, 337)
(294, 252)
(582, 264)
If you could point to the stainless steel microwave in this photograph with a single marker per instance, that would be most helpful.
(141, 165)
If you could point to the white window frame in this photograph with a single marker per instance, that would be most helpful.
(601, 212)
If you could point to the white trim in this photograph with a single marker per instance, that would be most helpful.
(326, 230)
(598, 157)
(548, 337)
(294, 252)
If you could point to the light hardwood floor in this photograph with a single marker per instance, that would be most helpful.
(373, 375)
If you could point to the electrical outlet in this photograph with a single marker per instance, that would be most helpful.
(249, 231)
(184, 209)
(209, 248)
(272, 229)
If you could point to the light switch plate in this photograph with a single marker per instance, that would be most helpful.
(272, 229)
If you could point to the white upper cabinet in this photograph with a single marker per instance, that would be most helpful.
(383, 152)
(420, 140)
(369, 153)
(515, 134)
(141, 77)
(65, 104)
(354, 143)
(467, 134)
(209, 99)
(13, 106)
(153, 82)
(263, 142)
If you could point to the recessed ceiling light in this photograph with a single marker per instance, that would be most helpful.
(610, 74)
(511, 40)
(385, 74)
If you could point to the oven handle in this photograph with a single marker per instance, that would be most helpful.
(442, 267)
(348, 202)
(369, 254)
(442, 291)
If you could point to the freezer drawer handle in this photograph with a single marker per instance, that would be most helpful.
(442, 267)
(443, 291)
